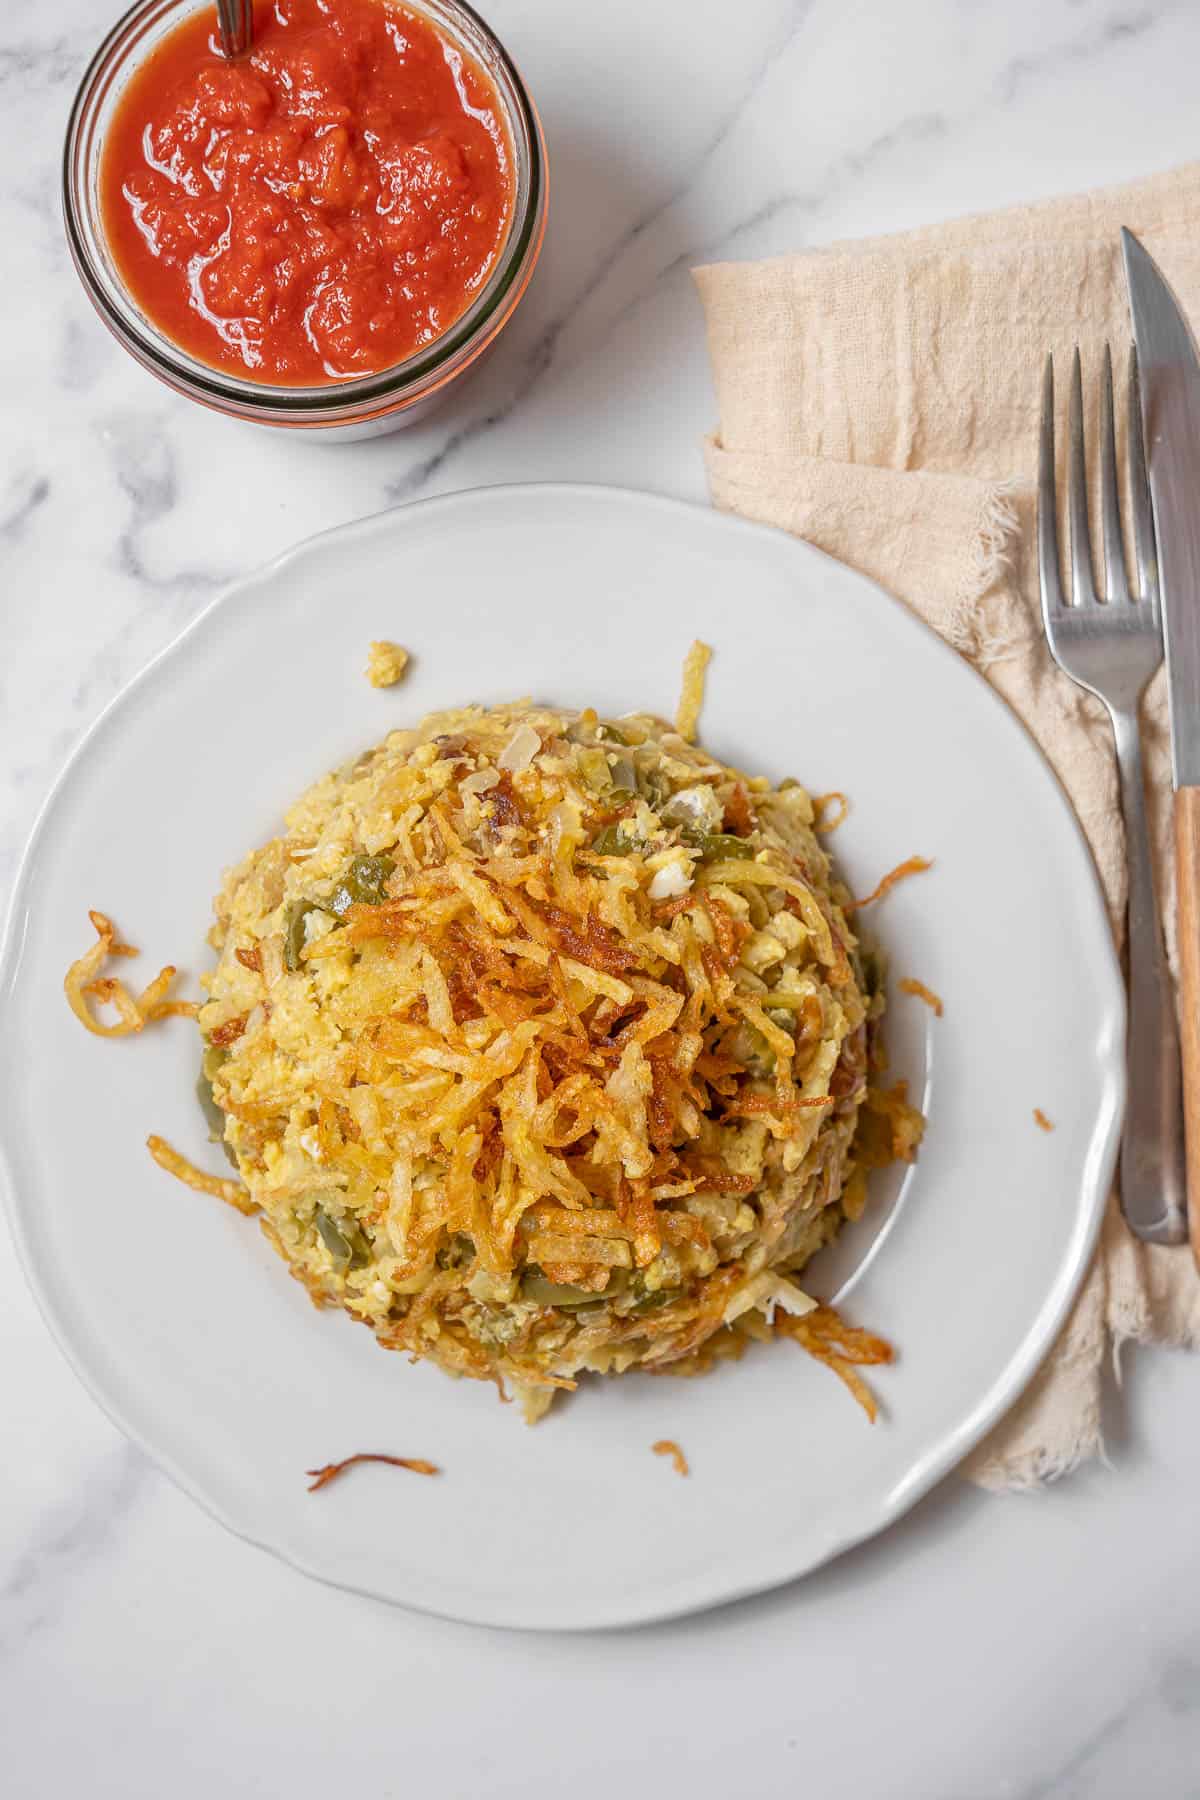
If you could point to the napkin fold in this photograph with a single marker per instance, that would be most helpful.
(881, 399)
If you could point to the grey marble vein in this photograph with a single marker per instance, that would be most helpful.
(41, 65)
(538, 359)
(70, 1539)
(85, 353)
(140, 454)
(832, 183)
(1178, 1682)
(1109, 33)
(22, 498)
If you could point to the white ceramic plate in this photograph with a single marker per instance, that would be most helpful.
(182, 1321)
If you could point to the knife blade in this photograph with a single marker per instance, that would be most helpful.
(1169, 372)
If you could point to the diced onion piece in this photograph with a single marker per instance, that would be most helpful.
(673, 879)
(520, 749)
(791, 1299)
(750, 1294)
(564, 822)
(480, 782)
(697, 805)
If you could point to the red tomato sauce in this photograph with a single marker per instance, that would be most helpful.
(317, 211)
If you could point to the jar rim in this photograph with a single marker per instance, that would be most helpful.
(384, 390)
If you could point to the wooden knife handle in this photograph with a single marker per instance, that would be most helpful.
(1187, 886)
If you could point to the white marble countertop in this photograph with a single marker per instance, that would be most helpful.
(987, 1647)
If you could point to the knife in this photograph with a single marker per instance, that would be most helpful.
(1169, 370)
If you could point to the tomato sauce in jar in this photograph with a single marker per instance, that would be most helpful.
(317, 211)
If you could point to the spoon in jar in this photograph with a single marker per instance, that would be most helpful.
(236, 19)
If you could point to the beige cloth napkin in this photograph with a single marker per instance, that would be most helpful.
(881, 400)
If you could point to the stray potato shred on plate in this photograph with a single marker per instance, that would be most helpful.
(416, 1465)
(84, 983)
(691, 698)
(920, 992)
(668, 1447)
(232, 1192)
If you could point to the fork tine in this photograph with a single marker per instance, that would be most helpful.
(1082, 580)
(1047, 522)
(1145, 547)
(1116, 581)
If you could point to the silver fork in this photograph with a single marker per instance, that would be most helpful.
(1111, 643)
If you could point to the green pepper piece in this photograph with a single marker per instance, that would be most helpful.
(363, 884)
(650, 1302)
(593, 768)
(538, 1287)
(294, 936)
(643, 1299)
(457, 1253)
(613, 842)
(337, 1246)
(623, 775)
(655, 788)
(611, 734)
(722, 846)
(873, 971)
(214, 1118)
(753, 1051)
(214, 1115)
(348, 1248)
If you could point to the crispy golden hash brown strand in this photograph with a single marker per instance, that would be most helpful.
(668, 1447)
(543, 1045)
(84, 985)
(232, 1192)
(416, 1465)
(829, 812)
(920, 992)
(691, 695)
(843, 1348)
(912, 865)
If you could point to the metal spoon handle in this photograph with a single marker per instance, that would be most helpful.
(236, 19)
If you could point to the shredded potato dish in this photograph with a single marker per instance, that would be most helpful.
(543, 1045)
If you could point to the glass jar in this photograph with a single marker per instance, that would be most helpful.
(368, 405)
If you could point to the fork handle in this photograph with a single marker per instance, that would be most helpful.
(1187, 887)
(1153, 1169)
